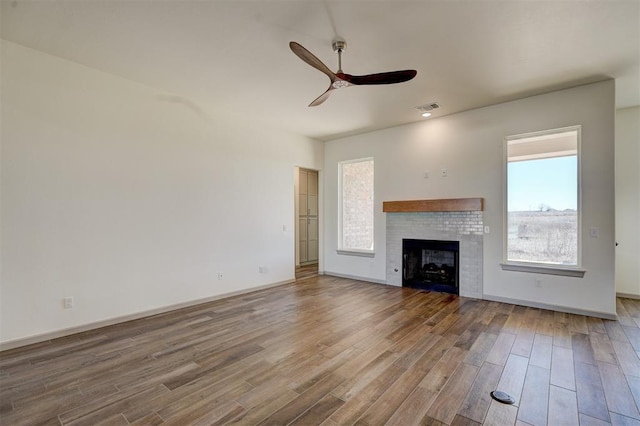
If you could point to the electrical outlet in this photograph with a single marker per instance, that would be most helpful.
(595, 232)
(67, 302)
(425, 175)
(220, 275)
(444, 172)
(262, 269)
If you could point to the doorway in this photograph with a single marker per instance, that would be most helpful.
(308, 246)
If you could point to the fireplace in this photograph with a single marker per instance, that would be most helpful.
(431, 265)
(458, 220)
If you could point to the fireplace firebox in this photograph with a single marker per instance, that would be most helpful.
(431, 265)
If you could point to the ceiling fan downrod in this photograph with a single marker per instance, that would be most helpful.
(339, 46)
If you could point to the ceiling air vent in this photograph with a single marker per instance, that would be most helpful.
(425, 110)
(428, 107)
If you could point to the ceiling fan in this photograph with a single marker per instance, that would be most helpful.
(339, 79)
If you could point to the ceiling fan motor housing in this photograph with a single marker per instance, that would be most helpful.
(339, 45)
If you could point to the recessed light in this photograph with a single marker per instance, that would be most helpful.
(426, 114)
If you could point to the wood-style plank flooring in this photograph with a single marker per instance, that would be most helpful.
(333, 351)
(306, 271)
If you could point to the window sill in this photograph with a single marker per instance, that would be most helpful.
(538, 269)
(361, 253)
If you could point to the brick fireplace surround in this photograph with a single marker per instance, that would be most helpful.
(449, 220)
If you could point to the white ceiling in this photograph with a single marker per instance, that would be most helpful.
(234, 55)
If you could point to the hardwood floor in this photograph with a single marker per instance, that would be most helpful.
(306, 271)
(334, 351)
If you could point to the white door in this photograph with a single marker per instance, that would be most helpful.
(308, 216)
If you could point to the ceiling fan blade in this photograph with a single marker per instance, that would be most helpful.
(320, 99)
(310, 59)
(380, 78)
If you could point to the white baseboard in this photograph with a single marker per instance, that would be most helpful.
(628, 295)
(354, 277)
(16, 343)
(551, 307)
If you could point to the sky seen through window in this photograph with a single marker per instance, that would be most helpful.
(551, 182)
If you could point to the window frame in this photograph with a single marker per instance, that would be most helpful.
(341, 249)
(533, 266)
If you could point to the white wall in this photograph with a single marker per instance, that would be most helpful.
(470, 146)
(628, 201)
(129, 199)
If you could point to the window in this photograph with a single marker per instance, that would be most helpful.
(542, 199)
(356, 206)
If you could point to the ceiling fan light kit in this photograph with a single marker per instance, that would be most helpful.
(340, 79)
